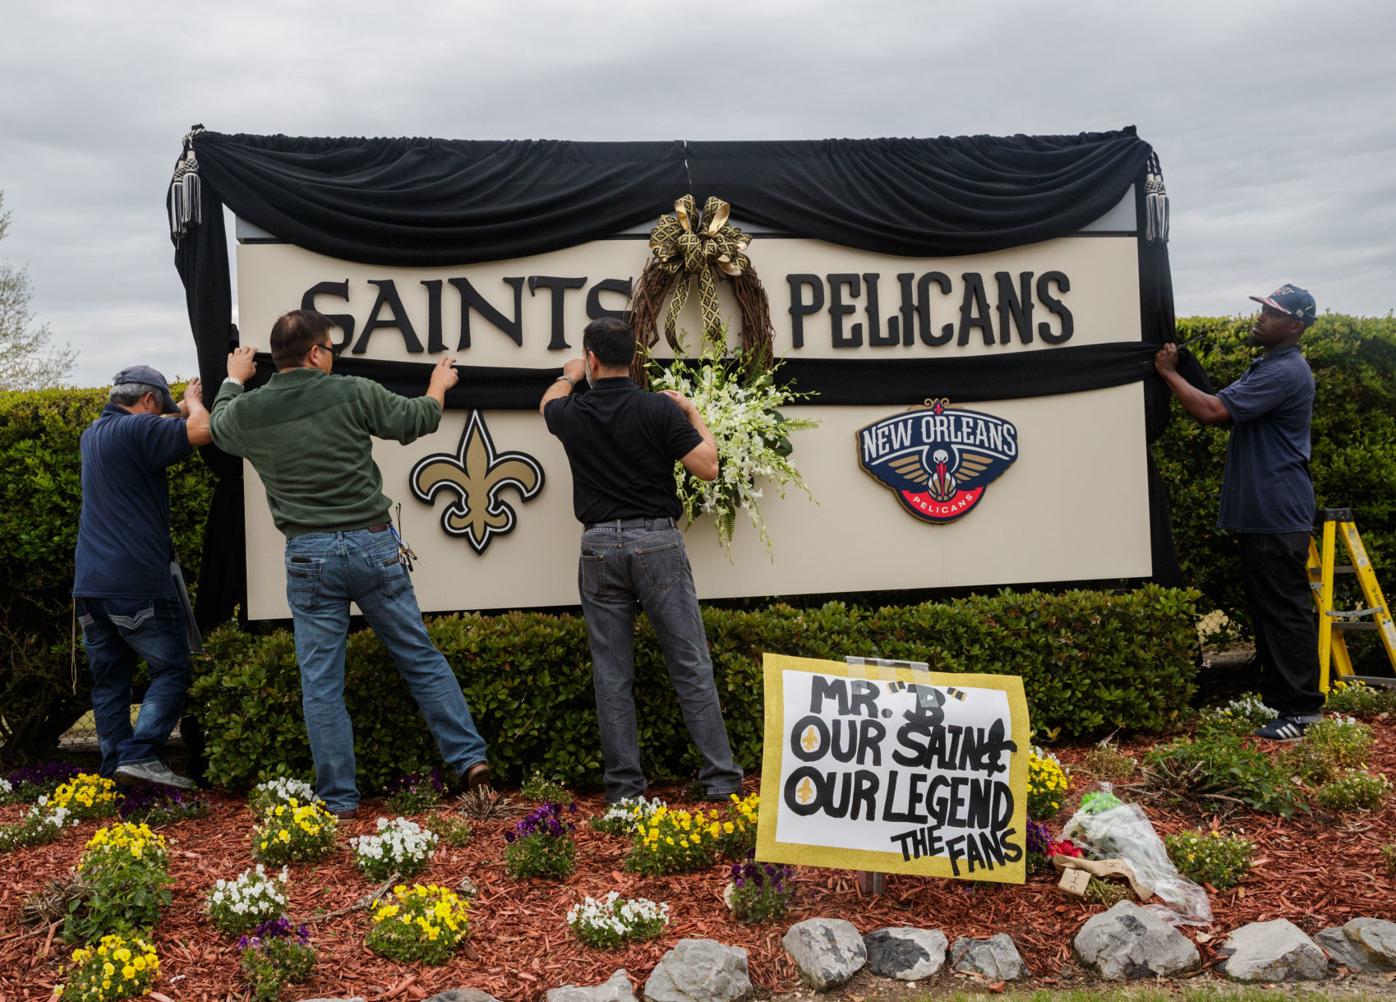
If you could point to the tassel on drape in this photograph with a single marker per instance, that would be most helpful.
(186, 192)
(1155, 203)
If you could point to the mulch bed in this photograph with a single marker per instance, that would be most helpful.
(1316, 871)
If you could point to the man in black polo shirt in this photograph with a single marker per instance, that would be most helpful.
(622, 443)
(1267, 500)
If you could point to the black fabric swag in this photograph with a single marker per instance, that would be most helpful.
(422, 202)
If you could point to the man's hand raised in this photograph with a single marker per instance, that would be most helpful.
(443, 377)
(240, 364)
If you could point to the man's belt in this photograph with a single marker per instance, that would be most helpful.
(631, 523)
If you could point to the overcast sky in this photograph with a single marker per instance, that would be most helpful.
(1275, 122)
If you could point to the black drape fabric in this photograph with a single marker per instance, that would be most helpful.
(431, 202)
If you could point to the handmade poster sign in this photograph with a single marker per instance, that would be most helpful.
(894, 770)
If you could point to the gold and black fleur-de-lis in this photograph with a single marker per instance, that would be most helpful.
(476, 473)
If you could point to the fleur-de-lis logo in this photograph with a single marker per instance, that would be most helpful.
(476, 473)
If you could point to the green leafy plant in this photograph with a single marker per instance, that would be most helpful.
(1210, 857)
(736, 835)
(125, 870)
(1353, 790)
(1330, 746)
(1240, 717)
(1388, 855)
(1359, 699)
(452, 829)
(614, 921)
(421, 923)
(1107, 762)
(276, 955)
(541, 788)
(37, 827)
(1224, 765)
(415, 792)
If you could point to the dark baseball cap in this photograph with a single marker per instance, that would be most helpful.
(150, 377)
(1291, 300)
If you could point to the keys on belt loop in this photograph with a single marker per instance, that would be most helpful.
(405, 556)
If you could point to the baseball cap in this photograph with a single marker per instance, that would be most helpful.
(1294, 301)
(150, 377)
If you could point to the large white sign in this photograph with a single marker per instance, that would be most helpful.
(486, 500)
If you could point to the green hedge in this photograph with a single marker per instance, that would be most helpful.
(1091, 662)
(1354, 446)
(40, 496)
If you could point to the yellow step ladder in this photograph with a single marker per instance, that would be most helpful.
(1333, 623)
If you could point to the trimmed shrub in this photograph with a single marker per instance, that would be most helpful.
(1091, 662)
(40, 497)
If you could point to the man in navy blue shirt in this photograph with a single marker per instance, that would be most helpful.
(1267, 500)
(126, 598)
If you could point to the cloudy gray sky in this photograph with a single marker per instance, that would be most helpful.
(1275, 122)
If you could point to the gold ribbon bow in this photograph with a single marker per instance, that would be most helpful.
(688, 246)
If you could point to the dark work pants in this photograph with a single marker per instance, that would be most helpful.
(1283, 616)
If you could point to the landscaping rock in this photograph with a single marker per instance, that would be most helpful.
(1272, 951)
(827, 952)
(1132, 942)
(1343, 951)
(995, 958)
(699, 970)
(617, 989)
(1376, 938)
(462, 995)
(904, 953)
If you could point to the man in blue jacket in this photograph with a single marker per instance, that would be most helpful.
(1267, 500)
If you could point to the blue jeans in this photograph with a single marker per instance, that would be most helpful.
(118, 632)
(325, 571)
(620, 569)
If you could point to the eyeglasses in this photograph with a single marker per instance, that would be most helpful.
(332, 348)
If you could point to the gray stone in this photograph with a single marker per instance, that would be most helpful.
(1344, 951)
(827, 952)
(905, 953)
(1272, 951)
(699, 970)
(1132, 942)
(1376, 938)
(617, 989)
(462, 995)
(995, 958)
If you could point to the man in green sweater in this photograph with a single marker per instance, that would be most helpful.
(309, 436)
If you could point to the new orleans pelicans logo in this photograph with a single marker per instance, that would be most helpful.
(938, 460)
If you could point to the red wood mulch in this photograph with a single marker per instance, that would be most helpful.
(1316, 871)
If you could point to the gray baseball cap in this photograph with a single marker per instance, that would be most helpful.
(150, 377)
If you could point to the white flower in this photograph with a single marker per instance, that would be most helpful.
(253, 894)
(400, 843)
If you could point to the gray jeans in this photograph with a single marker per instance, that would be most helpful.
(647, 565)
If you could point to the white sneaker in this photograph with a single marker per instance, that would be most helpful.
(154, 772)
